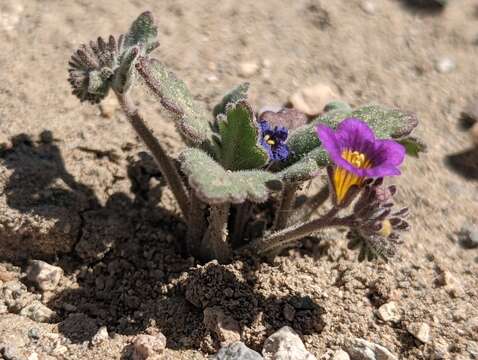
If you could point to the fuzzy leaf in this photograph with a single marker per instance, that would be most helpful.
(175, 97)
(337, 105)
(303, 170)
(215, 185)
(239, 148)
(413, 146)
(239, 93)
(386, 123)
(123, 77)
(143, 32)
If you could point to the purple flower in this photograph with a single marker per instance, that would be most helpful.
(273, 140)
(358, 155)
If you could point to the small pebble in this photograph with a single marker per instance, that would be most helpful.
(445, 65)
(368, 7)
(452, 285)
(389, 312)
(225, 327)
(365, 350)
(285, 344)
(420, 331)
(38, 312)
(248, 68)
(312, 100)
(100, 336)
(33, 333)
(341, 355)
(44, 275)
(148, 346)
(469, 232)
(237, 351)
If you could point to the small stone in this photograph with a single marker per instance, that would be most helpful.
(237, 351)
(108, 107)
(226, 328)
(312, 100)
(44, 275)
(100, 336)
(6, 276)
(360, 349)
(33, 356)
(3, 308)
(248, 68)
(469, 232)
(285, 344)
(389, 312)
(472, 348)
(472, 325)
(10, 15)
(289, 312)
(439, 350)
(452, 285)
(445, 65)
(37, 312)
(212, 78)
(368, 7)
(148, 347)
(10, 352)
(33, 333)
(420, 331)
(341, 355)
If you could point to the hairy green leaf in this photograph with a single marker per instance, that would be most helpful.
(239, 148)
(143, 32)
(303, 170)
(175, 97)
(237, 94)
(413, 146)
(215, 185)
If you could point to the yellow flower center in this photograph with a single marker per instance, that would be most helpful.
(343, 179)
(269, 140)
(386, 229)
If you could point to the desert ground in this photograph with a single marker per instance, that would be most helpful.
(79, 190)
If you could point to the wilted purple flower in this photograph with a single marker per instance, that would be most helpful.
(273, 140)
(358, 155)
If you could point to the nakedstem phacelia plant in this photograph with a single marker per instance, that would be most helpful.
(237, 180)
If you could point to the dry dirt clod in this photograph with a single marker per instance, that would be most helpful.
(237, 351)
(361, 349)
(420, 331)
(225, 327)
(452, 285)
(44, 275)
(285, 344)
(389, 312)
(312, 100)
(149, 347)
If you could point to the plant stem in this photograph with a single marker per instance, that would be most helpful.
(285, 208)
(165, 163)
(197, 225)
(242, 216)
(292, 233)
(214, 245)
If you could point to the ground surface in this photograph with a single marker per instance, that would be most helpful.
(72, 174)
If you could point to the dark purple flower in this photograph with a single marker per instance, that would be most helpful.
(273, 140)
(358, 155)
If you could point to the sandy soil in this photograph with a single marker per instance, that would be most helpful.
(76, 175)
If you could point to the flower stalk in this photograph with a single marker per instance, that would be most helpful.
(284, 211)
(215, 240)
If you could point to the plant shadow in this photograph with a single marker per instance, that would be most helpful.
(424, 7)
(464, 163)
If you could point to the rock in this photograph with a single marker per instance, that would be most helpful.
(10, 15)
(420, 331)
(289, 312)
(445, 65)
(312, 100)
(6, 276)
(108, 107)
(472, 348)
(237, 351)
(100, 336)
(33, 333)
(472, 325)
(224, 327)
(285, 344)
(38, 312)
(33, 356)
(44, 275)
(360, 349)
(10, 352)
(368, 7)
(469, 232)
(452, 285)
(341, 355)
(248, 68)
(439, 350)
(15, 296)
(474, 138)
(148, 347)
(389, 312)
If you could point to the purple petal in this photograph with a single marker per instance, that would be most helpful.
(329, 142)
(355, 134)
(391, 152)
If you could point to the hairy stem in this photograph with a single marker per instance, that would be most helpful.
(285, 208)
(243, 214)
(165, 163)
(214, 245)
(197, 225)
(283, 238)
